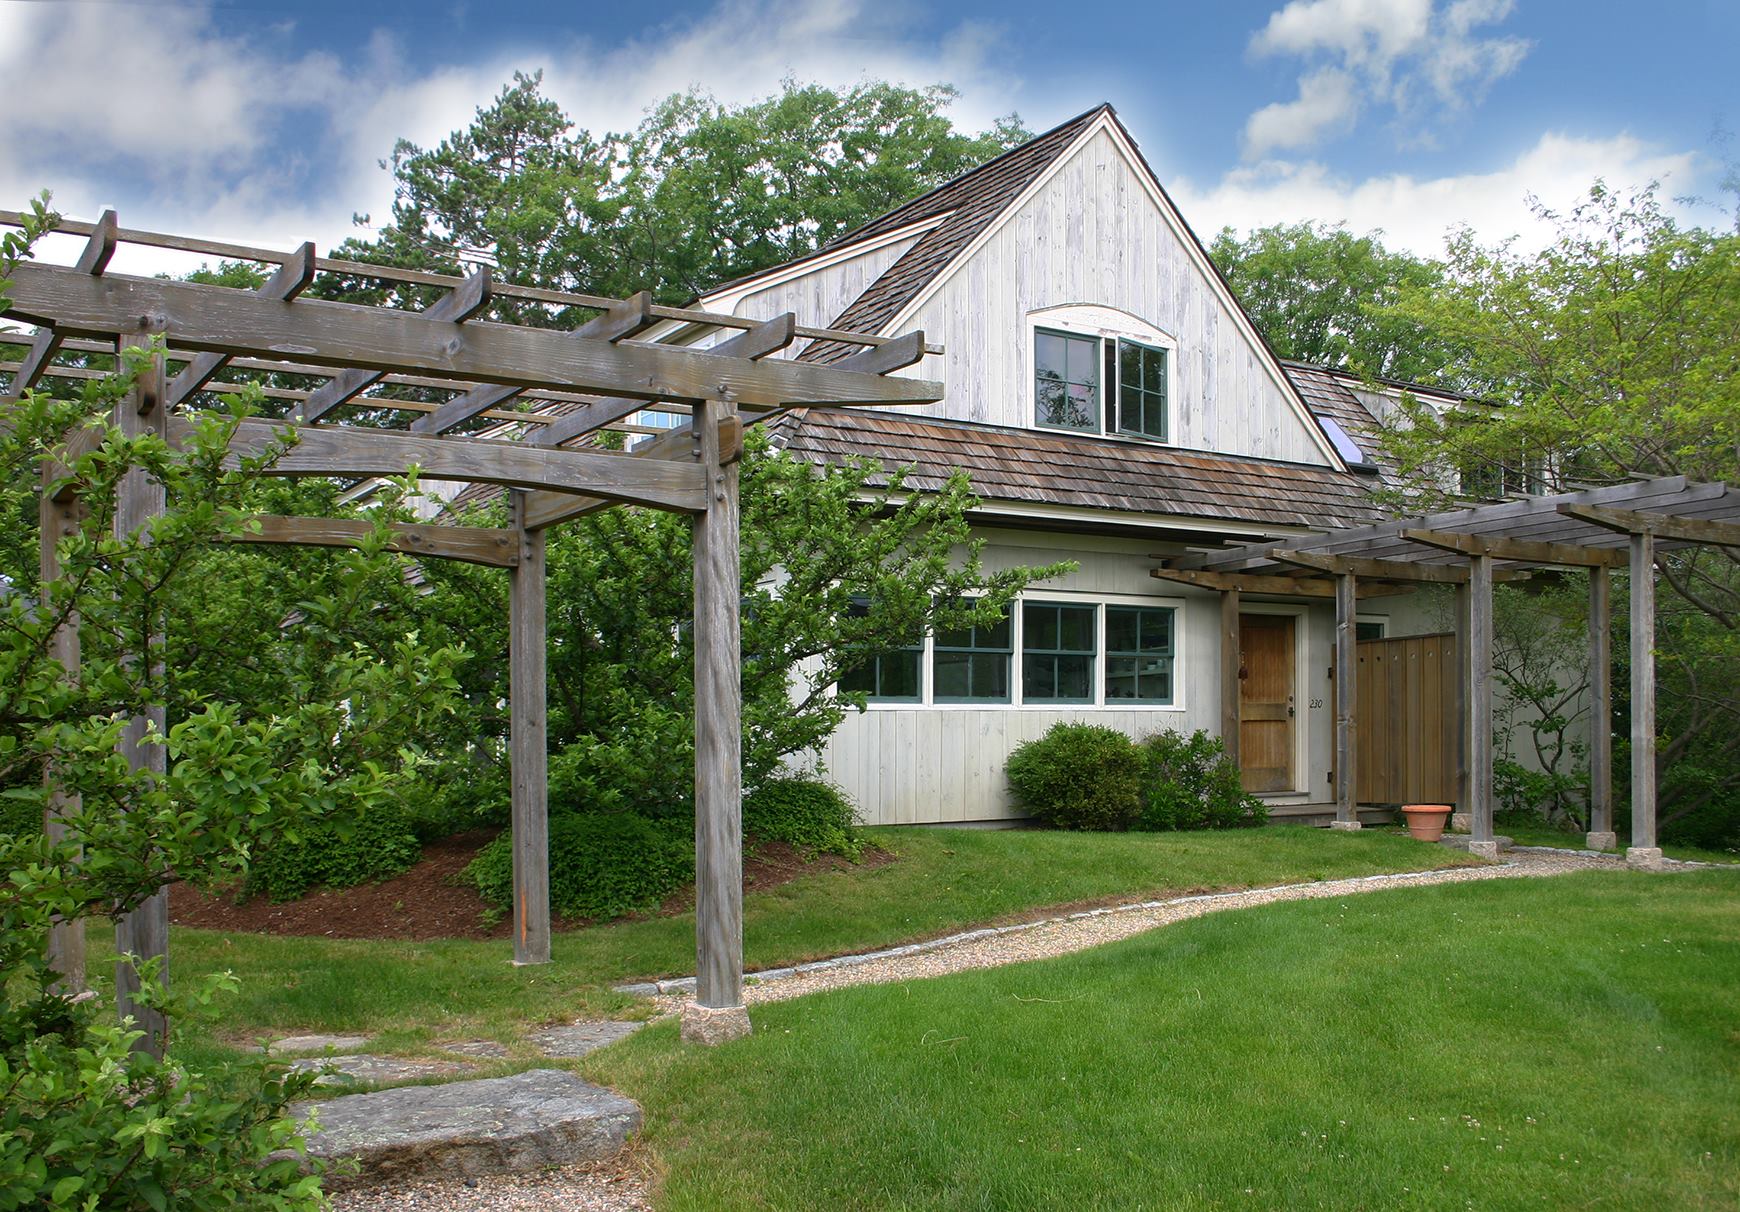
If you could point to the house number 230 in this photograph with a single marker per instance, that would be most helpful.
(1316, 703)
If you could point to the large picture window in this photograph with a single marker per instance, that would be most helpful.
(1057, 653)
(1139, 652)
(1066, 380)
(972, 665)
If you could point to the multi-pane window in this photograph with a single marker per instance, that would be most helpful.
(972, 665)
(888, 677)
(1076, 378)
(1139, 652)
(1066, 380)
(1141, 390)
(1057, 653)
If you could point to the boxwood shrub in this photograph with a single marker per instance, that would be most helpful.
(1191, 782)
(602, 865)
(337, 853)
(1078, 776)
(807, 813)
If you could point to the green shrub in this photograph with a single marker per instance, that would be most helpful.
(602, 865)
(20, 816)
(806, 813)
(1078, 776)
(1190, 782)
(337, 853)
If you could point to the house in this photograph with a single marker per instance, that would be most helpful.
(1112, 403)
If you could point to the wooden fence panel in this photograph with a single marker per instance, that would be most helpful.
(1407, 720)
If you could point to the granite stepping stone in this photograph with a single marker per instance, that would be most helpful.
(360, 1068)
(578, 1039)
(292, 1044)
(466, 1129)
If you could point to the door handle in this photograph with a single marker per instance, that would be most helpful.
(1290, 710)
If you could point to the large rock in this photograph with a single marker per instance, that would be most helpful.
(375, 1070)
(464, 1129)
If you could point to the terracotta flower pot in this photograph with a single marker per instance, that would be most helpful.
(1426, 821)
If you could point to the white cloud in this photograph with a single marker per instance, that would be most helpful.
(182, 127)
(1408, 55)
(1328, 101)
(1415, 213)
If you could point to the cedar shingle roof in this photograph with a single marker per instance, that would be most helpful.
(1045, 468)
(1327, 395)
(971, 203)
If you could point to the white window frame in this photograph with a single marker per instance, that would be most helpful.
(1104, 324)
(1180, 655)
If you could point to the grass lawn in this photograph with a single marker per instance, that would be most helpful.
(1538, 833)
(944, 880)
(1560, 1043)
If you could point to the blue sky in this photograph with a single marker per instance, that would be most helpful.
(266, 122)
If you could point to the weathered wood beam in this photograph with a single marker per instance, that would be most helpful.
(291, 279)
(100, 247)
(491, 546)
(1568, 554)
(901, 352)
(1346, 702)
(1479, 699)
(59, 520)
(459, 305)
(626, 318)
(1397, 570)
(1231, 645)
(1643, 697)
(718, 738)
(1601, 708)
(1250, 582)
(1660, 525)
(678, 446)
(528, 713)
(225, 320)
(322, 450)
(98, 251)
(766, 338)
(142, 934)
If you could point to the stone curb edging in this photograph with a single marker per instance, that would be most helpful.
(686, 984)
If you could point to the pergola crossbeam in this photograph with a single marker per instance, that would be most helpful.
(464, 301)
(1566, 554)
(491, 546)
(1658, 525)
(225, 320)
(291, 279)
(1273, 586)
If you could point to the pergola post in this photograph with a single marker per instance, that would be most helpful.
(528, 712)
(1462, 819)
(1479, 682)
(1231, 643)
(717, 1014)
(1346, 701)
(1601, 835)
(66, 940)
(1643, 851)
(144, 933)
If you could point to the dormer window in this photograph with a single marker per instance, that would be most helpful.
(1103, 381)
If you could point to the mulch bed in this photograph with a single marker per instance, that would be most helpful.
(430, 902)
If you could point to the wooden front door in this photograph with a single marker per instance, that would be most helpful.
(1267, 709)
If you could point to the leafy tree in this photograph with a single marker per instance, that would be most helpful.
(699, 193)
(1606, 355)
(90, 1120)
(835, 570)
(1320, 294)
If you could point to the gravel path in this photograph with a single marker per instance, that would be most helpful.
(622, 1185)
(1059, 936)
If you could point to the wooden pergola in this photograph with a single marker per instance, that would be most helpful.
(1596, 529)
(546, 390)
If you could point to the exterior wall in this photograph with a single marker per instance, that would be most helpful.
(1092, 235)
(905, 764)
(817, 297)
